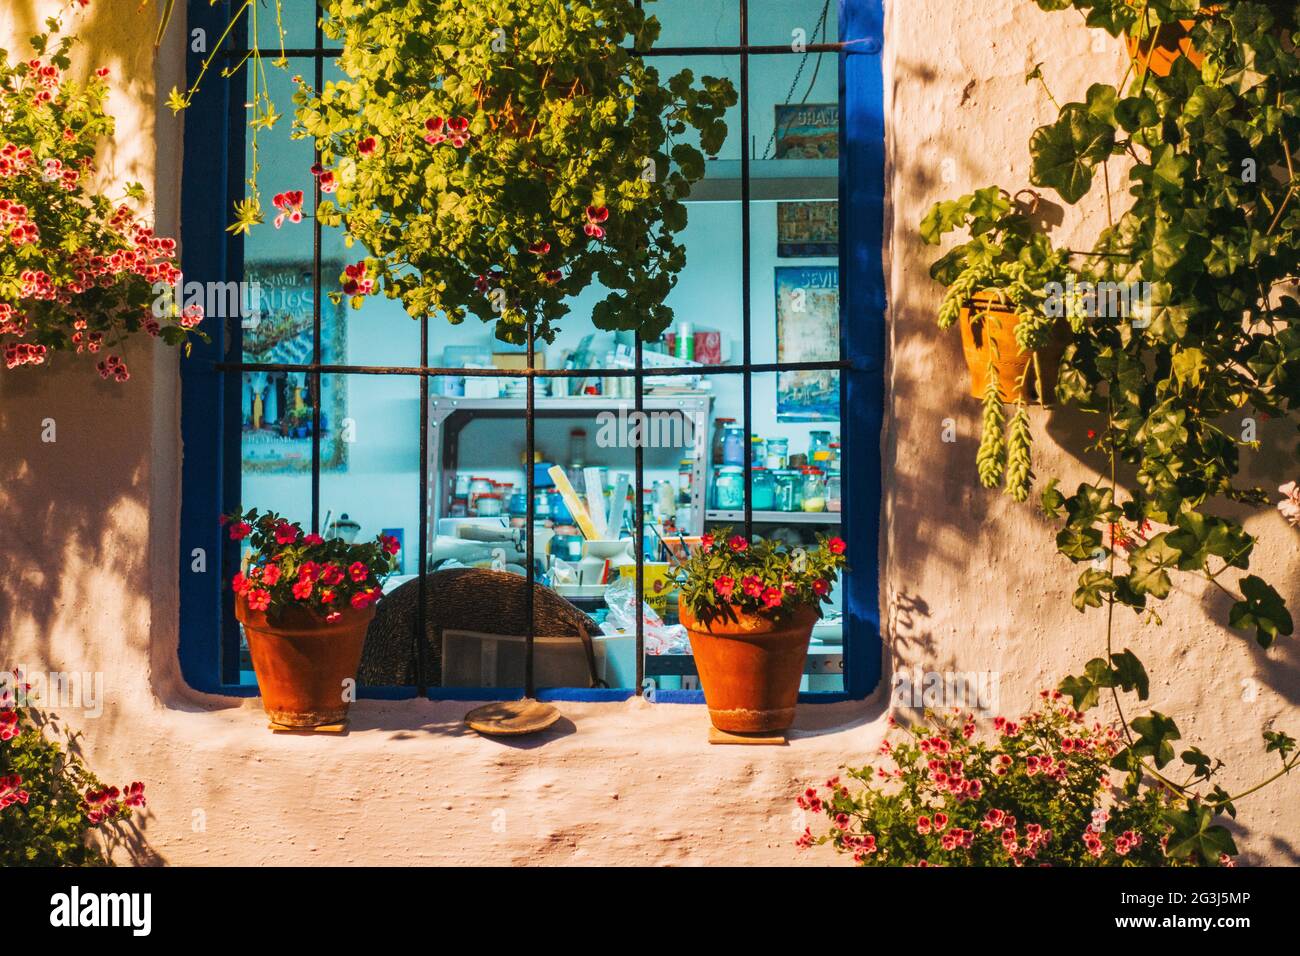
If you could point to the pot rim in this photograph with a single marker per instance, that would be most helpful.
(799, 615)
(300, 621)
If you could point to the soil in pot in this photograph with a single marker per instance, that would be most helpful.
(302, 662)
(750, 667)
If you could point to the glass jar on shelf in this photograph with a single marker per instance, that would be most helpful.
(818, 441)
(720, 426)
(814, 490)
(733, 446)
(778, 452)
(488, 505)
(833, 492)
(788, 491)
(764, 489)
(757, 450)
(729, 488)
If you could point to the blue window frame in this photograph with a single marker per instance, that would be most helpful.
(211, 379)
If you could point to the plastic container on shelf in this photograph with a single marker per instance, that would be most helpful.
(814, 490)
(478, 486)
(519, 504)
(764, 489)
(729, 488)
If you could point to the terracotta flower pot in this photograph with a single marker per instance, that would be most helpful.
(1172, 40)
(750, 667)
(988, 336)
(302, 662)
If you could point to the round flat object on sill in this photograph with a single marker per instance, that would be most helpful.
(512, 718)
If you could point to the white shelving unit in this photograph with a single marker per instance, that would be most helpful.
(448, 416)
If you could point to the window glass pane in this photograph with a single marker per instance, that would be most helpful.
(696, 22)
(373, 487)
(278, 261)
(796, 495)
(787, 22)
(794, 218)
(297, 19)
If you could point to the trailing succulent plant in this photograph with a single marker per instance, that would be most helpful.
(1012, 263)
(498, 158)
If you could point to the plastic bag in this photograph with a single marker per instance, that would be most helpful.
(660, 638)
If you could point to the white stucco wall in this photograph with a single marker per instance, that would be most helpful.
(88, 559)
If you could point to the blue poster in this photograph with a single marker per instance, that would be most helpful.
(808, 330)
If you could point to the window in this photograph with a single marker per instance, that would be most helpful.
(341, 418)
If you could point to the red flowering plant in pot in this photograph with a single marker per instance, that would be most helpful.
(79, 272)
(749, 608)
(305, 602)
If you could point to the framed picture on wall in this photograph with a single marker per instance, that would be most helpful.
(807, 130)
(808, 330)
(805, 230)
(275, 407)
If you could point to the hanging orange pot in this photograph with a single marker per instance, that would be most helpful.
(751, 665)
(988, 341)
(1159, 52)
(303, 662)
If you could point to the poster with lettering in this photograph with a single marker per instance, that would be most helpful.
(807, 230)
(807, 130)
(276, 407)
(808, 330)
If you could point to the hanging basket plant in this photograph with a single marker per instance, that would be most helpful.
(497, 159)
(79, 271)
(1009, 291)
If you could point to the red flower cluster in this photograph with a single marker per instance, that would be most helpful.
(325, 177)
(290, 206)
(106, 803)
(11, 791)
(307, 570)
(595, 216)
(355, 281)
(439, 129)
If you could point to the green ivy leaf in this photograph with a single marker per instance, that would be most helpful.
(1066, 153)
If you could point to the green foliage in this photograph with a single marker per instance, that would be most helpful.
(569, 163)
(50, 803)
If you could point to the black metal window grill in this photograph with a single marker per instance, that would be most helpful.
(811, 50)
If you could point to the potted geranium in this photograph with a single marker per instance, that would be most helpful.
(749, 608)
(305, 602)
